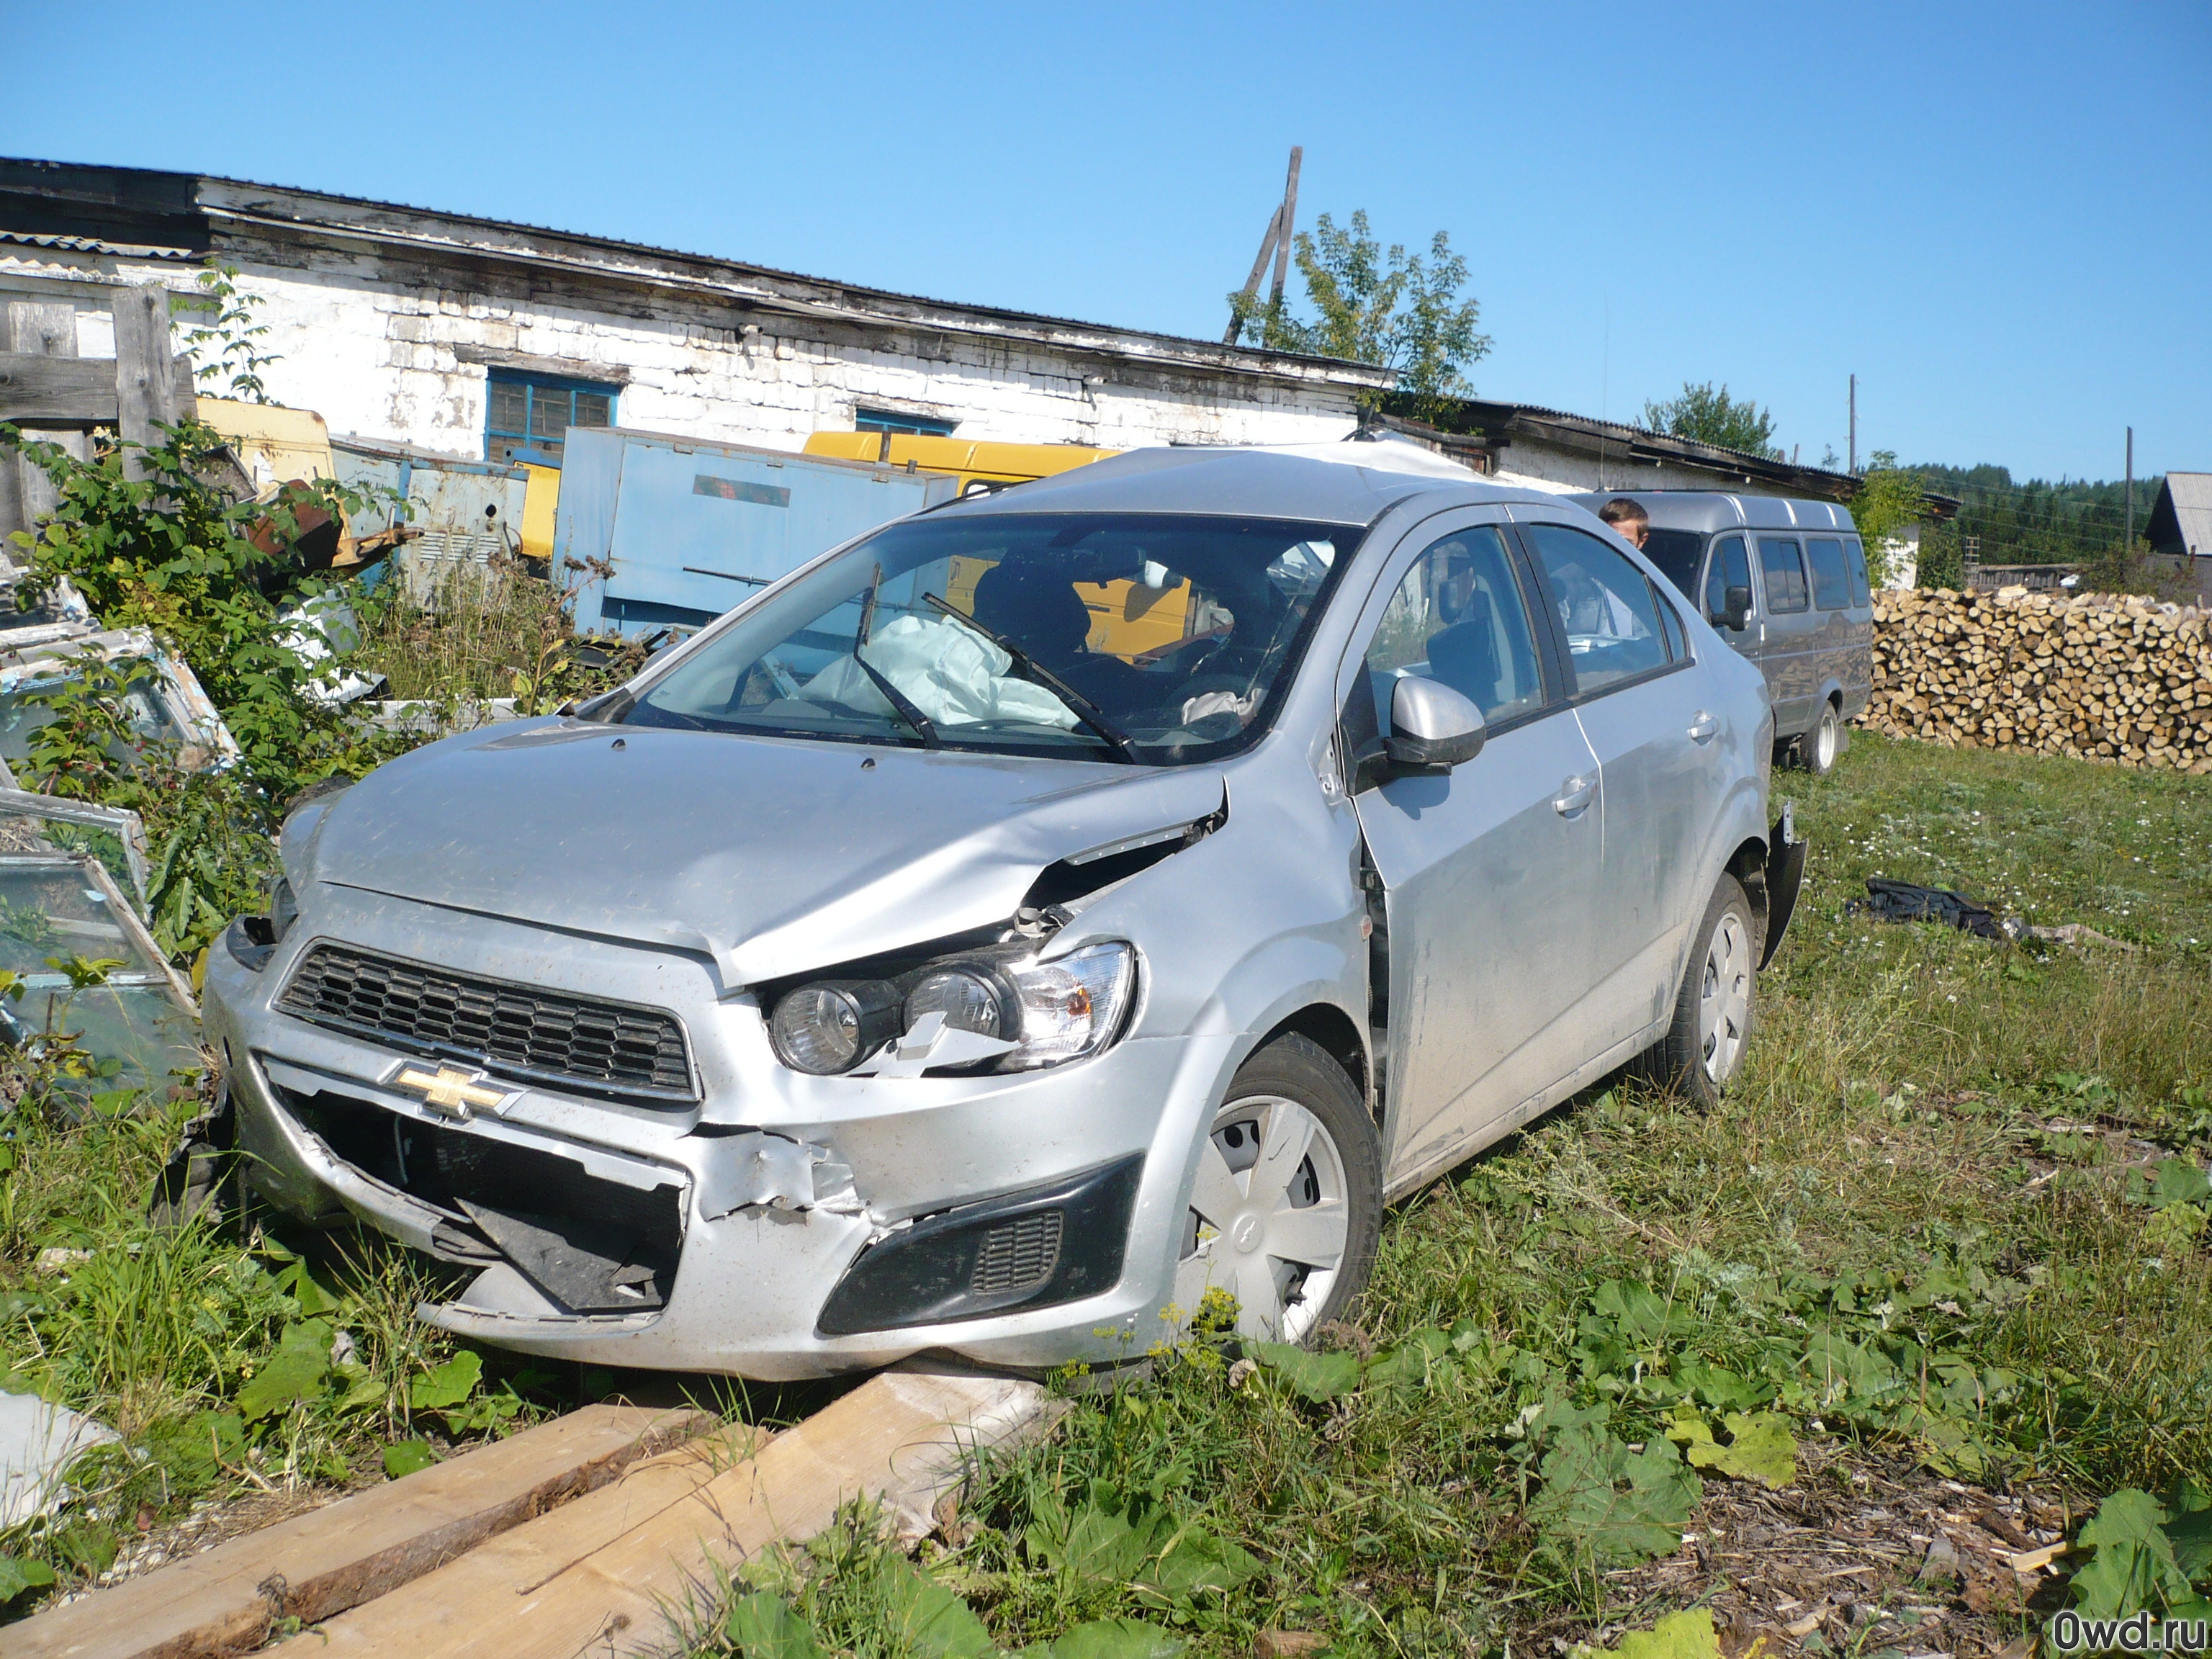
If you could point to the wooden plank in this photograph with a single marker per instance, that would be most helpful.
(145, 371)
(40, 333)
(223, 1601)
(70, 390)
(900, 1439)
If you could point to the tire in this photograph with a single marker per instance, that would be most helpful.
(1717, 1007)
(1249, 1230)
(1818, 749)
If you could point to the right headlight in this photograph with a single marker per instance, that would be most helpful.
(1050, 1012)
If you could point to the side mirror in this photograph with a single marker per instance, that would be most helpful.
(1735, 609)
(1432, 727)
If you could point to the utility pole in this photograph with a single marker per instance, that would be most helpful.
(1275, 244)
(1855, 426)
(2129, 546)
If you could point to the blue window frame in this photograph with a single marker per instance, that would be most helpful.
(886, 420)
(535, 411)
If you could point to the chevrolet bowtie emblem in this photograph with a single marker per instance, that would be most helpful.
(453, 1092)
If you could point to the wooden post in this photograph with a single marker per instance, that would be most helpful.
(27, 495)
(1289, 223)
(1259, 269)
(146, 391)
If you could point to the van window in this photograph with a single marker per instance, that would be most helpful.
(1675, 552)
(1831, 582)
(1855, 556)
(1731, 567)
(1785, 575)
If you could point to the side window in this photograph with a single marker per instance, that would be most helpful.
(1832, 580)
(1604, 605)
(1857, 556)
(1458, 618)
(1731, 567)
(1670, 629)
(1785, 575)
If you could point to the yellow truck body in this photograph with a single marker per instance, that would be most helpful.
(1127, 618)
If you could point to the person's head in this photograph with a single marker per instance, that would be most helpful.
(1627, 517)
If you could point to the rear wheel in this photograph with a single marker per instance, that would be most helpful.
(1714, 1008)
(1288, 1203)
(1818, 749)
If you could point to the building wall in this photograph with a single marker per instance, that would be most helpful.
(383, 351)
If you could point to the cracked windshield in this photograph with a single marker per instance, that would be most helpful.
(1122, 637)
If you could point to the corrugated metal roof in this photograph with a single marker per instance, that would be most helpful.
(94, 244)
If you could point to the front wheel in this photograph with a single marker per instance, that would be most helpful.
(1288, 1201)
(1714, 1008)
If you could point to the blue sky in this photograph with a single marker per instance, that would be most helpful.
(1995, 216)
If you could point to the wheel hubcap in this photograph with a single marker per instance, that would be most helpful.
(1724, 997)
(1268, 1217)
(1826, 744)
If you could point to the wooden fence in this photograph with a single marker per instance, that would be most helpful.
(56, 395)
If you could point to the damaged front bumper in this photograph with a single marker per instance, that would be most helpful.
(781, 1226)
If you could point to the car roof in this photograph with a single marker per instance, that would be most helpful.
(1715, 510)
(1350, 483)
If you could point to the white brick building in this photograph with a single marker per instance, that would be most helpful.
(402, 325)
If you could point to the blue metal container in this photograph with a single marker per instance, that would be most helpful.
(686, 530)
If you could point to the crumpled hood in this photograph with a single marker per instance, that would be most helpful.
(773, 855)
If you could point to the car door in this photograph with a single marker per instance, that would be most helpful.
(1650, 719)
(1832, 603)
(1790, 654)
(1489, 874)
(1730, 566)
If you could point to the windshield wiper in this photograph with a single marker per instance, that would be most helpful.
(1030, 669)
(921, 723)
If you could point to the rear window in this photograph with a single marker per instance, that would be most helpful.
(1857, 556)
(1831, 582)
(1676, 552)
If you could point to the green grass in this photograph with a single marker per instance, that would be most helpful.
(1915, 1229)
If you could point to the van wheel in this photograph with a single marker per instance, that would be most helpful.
(1714, 1008)
(1818, 749)
(1288, 1202)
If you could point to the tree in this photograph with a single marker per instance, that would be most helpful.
(1389, 308)
(1707, 415)
(1888, 500)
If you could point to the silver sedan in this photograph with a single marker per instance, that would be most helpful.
(1022, 924)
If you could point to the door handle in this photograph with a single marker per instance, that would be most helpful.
(1574, 797)
(1703, 727)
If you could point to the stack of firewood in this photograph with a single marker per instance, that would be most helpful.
(2100, 676)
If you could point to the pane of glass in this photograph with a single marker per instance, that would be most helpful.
(1675, 552)
(1785, 575)
(1856, 556)
(1458, 618)
(805, 662)
(548, 413)
(1670, 628)
(510, 407)
(593, 408)
(1731, 567)
(1606, 607)
(1831, 582)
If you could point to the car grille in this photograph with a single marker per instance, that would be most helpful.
(1017, 1254)
(517, 1030)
